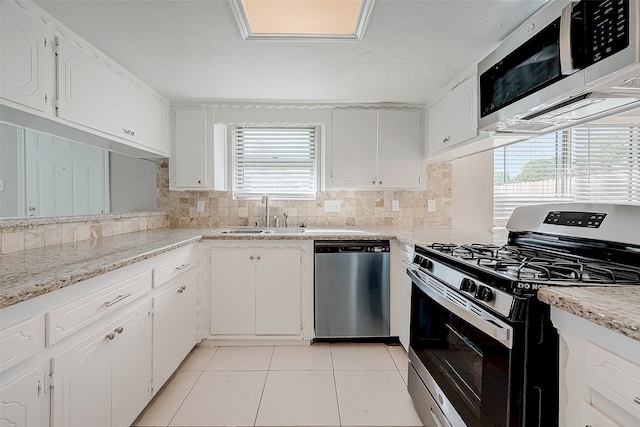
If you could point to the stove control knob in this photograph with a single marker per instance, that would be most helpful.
(483, 293)
(426, 264)
(468, 285)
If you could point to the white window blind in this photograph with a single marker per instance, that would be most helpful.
(584, 164)
(279, 161)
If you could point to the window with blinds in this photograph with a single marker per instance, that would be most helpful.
(279, 161)
(583, 164)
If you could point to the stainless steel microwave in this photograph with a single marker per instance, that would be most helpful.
(569, 63)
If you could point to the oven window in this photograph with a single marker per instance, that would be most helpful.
(470, 367)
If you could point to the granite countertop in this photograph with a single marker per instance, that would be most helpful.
(614, 307)
(28, 274)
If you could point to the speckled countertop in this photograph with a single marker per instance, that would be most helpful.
(28, 274)
(615, 308)
(31, 221)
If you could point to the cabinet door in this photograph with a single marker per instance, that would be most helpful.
(233, 299)
(399, 149)
(22, 51)
(19, 400)
(131, 365)
(192, 129)
(354, 158)
(455, 118)
(174, 326)
(278, 292)
(96, 96)
(82, 384)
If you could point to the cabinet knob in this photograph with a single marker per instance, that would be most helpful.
(182, 289)
(379, 182)
(373, 182)
(119, 330)
(444, 141)
(111, 336)
(258, 257)
(199, 182)
(251, 257)
(129, 132)
(637, 400)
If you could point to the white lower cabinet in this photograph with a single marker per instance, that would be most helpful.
(174, 326)
(599, 374)
(255, 291)
(105, 378)
(21, 400)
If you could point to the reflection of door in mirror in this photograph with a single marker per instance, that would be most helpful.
(63, 177)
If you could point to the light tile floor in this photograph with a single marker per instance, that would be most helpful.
(317, 385)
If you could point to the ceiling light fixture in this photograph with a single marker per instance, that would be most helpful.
(302, 19)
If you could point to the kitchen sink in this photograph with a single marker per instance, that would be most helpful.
(246, 231)
(296, 230)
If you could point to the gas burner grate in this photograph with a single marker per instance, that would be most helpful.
(475, 250)
(444, 247)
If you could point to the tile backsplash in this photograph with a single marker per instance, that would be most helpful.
(357, 208)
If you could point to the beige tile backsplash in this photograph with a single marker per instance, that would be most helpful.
(357, 208)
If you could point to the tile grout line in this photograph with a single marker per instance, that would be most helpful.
(194, 384)
(335, 384)
(266, 377)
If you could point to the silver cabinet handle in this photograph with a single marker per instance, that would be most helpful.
(111, 336)
(182, 289)
(447, 139)
(129, 132)
(119, 330)
(117, 300)
(251, 257)
(637, 400)
(182, 267)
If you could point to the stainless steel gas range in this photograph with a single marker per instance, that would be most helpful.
(482, 350)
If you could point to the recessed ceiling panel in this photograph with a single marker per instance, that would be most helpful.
(302, 16)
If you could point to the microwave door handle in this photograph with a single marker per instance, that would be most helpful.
(566, 60)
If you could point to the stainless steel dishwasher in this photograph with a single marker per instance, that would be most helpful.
(352, 289)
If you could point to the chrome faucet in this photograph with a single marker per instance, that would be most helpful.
(265, 200)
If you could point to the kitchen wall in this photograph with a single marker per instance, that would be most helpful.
(358, 208)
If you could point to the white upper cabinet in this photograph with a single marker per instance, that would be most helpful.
(195, 142)
(399, 149)
(454, 119)
(379, 149)
(92, 94)
(22, 47)
(355, 156)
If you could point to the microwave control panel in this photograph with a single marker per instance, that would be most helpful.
(575, 219)
(606, 28)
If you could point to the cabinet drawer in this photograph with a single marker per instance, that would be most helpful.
(590, 416)
(167, 271)
(615, 378)
(65, 320)
(21, 341)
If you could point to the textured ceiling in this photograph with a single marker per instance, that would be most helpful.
(192, 50)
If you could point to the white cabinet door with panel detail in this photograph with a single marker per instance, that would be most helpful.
(20, 400)
(22, 48)
(174, 326)
(92, 93)
(255, 291)
(105, 379)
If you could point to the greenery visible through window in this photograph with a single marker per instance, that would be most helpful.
(279, 161)
(582, 164)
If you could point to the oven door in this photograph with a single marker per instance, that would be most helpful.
(475, 378)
